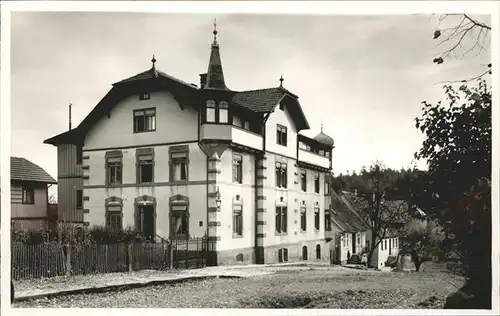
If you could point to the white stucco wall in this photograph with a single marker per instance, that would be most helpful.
(39, 209)
(283, 118)
(172, 123)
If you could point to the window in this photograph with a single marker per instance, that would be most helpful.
(283, 255)
(79, 155)
(145, 120)
(281, 220)
(237, 168)
(114, 166)
(303, 217)
(179, 217)
(328, 221)
(79, 198)
(179, 162)
(316, 183)
(282, 106)
(144, 96)
(304, 253)
(223, 112)
(281, 134)
(316, 219)
(318, 252)
(396, 242)
(359, 239)
(114, 214)
(211, 111)
(327, 186)
(281, 176)
(145, 165)
(28, 195)
(237, 220)
(303, 180)
(385, 244)
(114, 218)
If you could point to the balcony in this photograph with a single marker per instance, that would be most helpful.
(313, 159)
(234, 134)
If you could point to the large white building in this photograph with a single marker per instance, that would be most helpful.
(175, 160)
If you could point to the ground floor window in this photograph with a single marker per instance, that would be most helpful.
(304, 253)
(179, 217)
(283, 255)
(114, 213)
(318, 252)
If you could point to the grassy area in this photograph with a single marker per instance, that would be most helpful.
(284, 289)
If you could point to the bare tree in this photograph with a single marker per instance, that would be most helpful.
(52, 199)
(461, 35)
(380, 214)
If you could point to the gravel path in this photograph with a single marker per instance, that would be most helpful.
(290, 288)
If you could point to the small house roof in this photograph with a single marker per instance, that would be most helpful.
(21, 169)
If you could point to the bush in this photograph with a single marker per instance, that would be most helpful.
(77, 235)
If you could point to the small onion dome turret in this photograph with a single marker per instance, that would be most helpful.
(324, 139)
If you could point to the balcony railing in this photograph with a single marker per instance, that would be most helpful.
(313, 159)
(231, 133)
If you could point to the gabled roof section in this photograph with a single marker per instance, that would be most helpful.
(149, 80)
(266, 100)
(21, 169)
(346, 215)
(152, 73)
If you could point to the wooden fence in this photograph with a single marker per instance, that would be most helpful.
(55, 259)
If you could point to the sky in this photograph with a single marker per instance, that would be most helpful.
(362, 77)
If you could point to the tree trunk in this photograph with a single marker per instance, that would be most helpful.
(416, 260)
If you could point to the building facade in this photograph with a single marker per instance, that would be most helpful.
(175, 160)
(30, 207)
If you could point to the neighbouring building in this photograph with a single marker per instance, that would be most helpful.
(30, 207)
(350, 230)
(175, 160)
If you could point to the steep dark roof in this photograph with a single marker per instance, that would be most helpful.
(22, 169)
(152, 73)
(260, 101)
(266, 100)
(346, 215)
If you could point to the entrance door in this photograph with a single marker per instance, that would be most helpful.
(148, 222)
(354, 240)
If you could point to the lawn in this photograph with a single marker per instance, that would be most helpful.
(316, 288)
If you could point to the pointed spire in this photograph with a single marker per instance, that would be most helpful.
(153, 61)
(321, 127)
(215, 75)
(215, 33)
(281, 81)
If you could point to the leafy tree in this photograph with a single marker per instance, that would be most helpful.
(421, 238)
(458, 151)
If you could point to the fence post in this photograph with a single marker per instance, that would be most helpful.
(130, 257)
(171, 254)
(68, 259)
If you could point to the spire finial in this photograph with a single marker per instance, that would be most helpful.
(215, 31)
(281, 81)
(153, 60)
(321, 127)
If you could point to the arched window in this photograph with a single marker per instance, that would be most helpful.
(179, 217)
(304, 253)
(223, 112)
(316, 217)
(318, 252)
(303, 217)
(145, 216)
(210, 111)
(114, 213)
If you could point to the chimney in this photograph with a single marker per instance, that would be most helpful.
(203, 80)
(70, 116)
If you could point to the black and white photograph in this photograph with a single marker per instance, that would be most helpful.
(235, 158)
